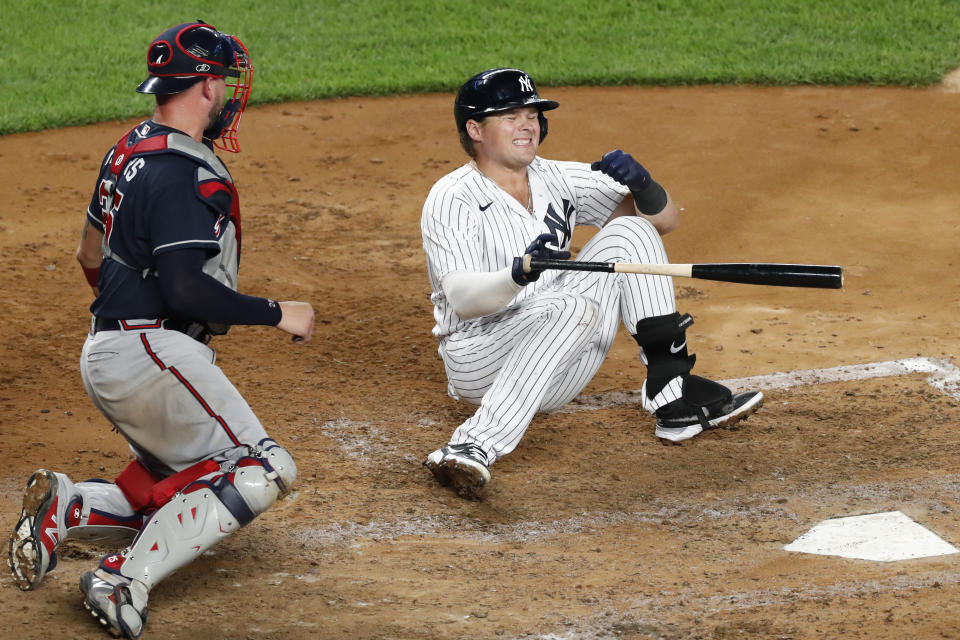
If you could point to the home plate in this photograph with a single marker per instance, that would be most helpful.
(878, 536)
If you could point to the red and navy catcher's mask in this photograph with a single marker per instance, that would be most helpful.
(183, 55)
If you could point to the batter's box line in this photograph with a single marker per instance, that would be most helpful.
(944, 377)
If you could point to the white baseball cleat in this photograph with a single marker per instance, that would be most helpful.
(464, 466)
(119, 603)
(41, 528)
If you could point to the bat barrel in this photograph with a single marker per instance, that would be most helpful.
(780, 275)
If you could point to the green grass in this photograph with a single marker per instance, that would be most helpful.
(68, 63)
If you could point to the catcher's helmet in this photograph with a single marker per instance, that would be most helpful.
(497, 90)
(184, 54)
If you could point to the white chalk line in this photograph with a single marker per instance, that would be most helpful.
(944, 377)
(648, 610)
(756, 506)
(360, 439)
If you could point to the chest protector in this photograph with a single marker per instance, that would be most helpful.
(213, 186)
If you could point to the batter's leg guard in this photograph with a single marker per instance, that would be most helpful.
(205, 512)
(664, 343)
(703, 404)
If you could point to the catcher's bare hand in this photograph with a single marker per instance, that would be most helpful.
(297, 320)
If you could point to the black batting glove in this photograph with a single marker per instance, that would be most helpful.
(648, 195)
(624, 169)
(537, 249)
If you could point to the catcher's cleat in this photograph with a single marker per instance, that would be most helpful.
(680, 420)
(119, 603)
(41, 527)
(463, 466)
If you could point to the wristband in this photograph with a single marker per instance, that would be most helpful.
(92, 274)
(651, 200)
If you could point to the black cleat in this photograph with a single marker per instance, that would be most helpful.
(680, 420)
(463, 466)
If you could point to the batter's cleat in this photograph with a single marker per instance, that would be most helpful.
(119, 603)
(463, 466)
(42, 526)
(680, 420)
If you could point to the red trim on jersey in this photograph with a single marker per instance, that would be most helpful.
(191, 389)
(210, 187)
(125, 151)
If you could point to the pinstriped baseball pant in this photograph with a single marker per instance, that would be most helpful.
(538, 354)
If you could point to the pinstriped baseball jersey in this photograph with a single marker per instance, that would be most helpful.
(538, 353)
(547, 343)
(471, 224)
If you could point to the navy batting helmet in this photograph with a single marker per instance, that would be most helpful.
(497, 90)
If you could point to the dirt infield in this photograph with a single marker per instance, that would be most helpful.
(590, 528)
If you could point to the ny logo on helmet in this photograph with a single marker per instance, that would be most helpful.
(525, 83)
(203, 67)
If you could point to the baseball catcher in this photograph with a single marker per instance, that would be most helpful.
(161, 249)
(516, 342)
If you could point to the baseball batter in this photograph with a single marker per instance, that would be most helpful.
(161, 248)
(517, 342)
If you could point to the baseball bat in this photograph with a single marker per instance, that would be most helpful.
(768, 273)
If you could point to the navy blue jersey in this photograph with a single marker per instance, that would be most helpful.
(156, 192)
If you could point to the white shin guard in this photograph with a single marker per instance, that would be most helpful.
(205, 512)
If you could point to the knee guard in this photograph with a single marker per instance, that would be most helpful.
(206, 511)
(264, 477)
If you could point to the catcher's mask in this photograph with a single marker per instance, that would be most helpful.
(497, 90)
(183, 55)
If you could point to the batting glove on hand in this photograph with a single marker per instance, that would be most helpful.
(537, 249)
(649, 197)
(624, 169)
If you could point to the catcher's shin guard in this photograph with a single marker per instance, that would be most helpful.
(206, 511)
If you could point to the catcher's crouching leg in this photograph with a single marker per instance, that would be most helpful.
(204, 512)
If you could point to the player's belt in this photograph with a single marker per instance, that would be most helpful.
(192, 329)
